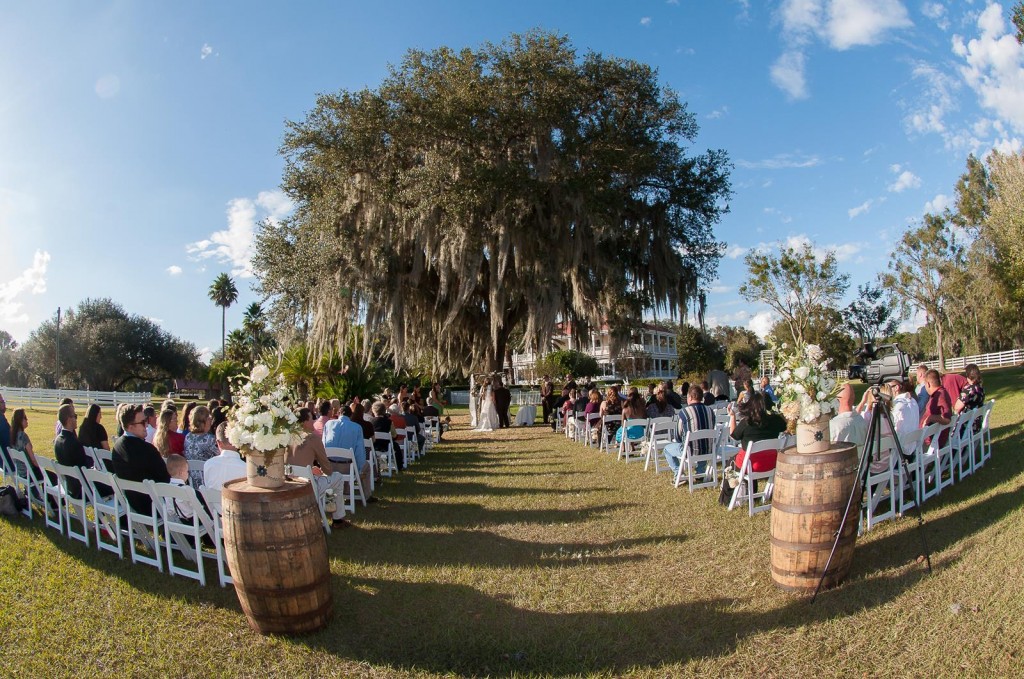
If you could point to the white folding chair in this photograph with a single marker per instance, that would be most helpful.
(592, 426)
(353, 482)
(213, 502)
(106, 510)
(977, 434)
(934, 460)
(54, 509)
(661, 431)
(986, 431)
(74, 508)
(143, 528)
(386, 458)
(196, 467)
(608, 434)
(371, 459)
(26, 481)
(911, 442)
(757, 464)
(433, 427)
(184, 533)
(630, 446)
(960, 444)
(412, 446)
(321, 498)
(103, 456)
(880, 495)
(699, 447)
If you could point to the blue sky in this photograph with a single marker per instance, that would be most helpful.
(138, 141)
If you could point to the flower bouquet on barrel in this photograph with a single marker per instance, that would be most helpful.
(806, 394)
(262, 425)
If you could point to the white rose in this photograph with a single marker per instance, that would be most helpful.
(799, 388)
(259, 373)
(802, 372)
(811, 412)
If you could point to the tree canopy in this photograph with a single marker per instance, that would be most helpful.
(483, 190)
(795, 284)
(103, 347)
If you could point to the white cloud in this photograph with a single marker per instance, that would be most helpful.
(645, 21)
(718, 113)
(860, 209)
(761, 323)
(994, 67)
(787, 73)
(735, 252)
(906, 180)
(174, 270)
(841, 24)
(234, 245)
(938, 204)
(671, 2)
(782, 161)
(714, 320)
(206, 51)
(206, 355)
(863, 22)
(784, 218)
(158, 321)
(720, 289)
(842, 251)
(31, 281)
(937, 98)
(936, 11)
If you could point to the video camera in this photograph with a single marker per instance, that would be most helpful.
(875, 366)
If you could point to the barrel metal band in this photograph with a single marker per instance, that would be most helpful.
(273, 591)
(813, 546)
(809, 509)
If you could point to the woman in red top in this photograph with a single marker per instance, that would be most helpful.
(167, 439)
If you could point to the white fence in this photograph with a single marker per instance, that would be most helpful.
(520, 397)
(996, 360)
(49, 398)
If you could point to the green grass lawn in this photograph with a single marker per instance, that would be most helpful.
(518, 553)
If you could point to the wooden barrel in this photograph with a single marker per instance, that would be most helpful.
(810, 495)
(276, 550)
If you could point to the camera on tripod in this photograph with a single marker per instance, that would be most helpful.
(877, 364)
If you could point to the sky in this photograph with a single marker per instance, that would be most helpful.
(139, 141)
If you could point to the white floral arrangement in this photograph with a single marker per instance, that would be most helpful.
(262, 419)
(804, 391)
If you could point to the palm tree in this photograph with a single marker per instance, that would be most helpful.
(254, 324)
(223, 293)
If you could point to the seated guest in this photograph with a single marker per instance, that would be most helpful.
(326, 412)
(135, 460)
(200, 443)
(612, 405)
(398, 419)
(219, 413)
(848, 426)
(414, 418)
(651, 393)
(674, 399)
(167, 439)
(920, 393)
(63, 402)
(311, 453)
(344, 433)
(660, 407)
(91, 433)
(769, 392)
(151, 422)
(694, 417)
(177, 467)
(903, 408)
(633, 408)
(67, 449)
(938, 408)
(952, 384)
(227, 466)
(382, 424)
(751, 422)
(556, 408)
(20, 440)
(359, 417)
(593, 407)
(709, 398)
(971, 394)
(747, 390)
(186, 417)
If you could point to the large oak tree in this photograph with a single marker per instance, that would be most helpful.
(483, 190)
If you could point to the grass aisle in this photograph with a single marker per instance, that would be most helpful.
(519, 553)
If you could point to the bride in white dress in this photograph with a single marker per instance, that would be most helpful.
(488, 419)
(472, 402)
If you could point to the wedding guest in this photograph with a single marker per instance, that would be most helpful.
(200, 443)
(63, 402)
(67, 449)
(326, 409)
(383, 424)
(150, 413)
(177, 468)
(972, 394)
(660, 407)
(693, 418)
(847, 425)
(19, 437)
(344, 433)
(134, 459)
(167, 439)
(219, 411)
(226, 466)
(747, 423)
(612, 405)
(91, 432)
(920, 392)
(709, 398)
(186, 417)
(938, 408)
(674, 399)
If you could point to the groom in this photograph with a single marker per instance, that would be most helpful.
(502, 400)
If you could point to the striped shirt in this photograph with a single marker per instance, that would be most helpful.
(697, 417)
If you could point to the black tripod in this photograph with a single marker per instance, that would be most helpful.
(872, 447)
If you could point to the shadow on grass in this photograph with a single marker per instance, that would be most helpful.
(454, 628)
(456, 514)
(395, 547)
(458, 488)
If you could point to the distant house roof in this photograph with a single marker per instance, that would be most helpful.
(191, 385)
(564, 328)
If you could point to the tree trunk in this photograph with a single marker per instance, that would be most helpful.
(939, 346)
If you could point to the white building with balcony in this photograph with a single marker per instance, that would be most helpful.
(652, 354)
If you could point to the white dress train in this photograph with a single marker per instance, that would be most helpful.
(488, 420)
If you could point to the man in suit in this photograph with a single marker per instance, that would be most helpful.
(502, 400)
(135, 460)
(67, 449)
(547, 397)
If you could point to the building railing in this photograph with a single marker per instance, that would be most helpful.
(17, 397)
